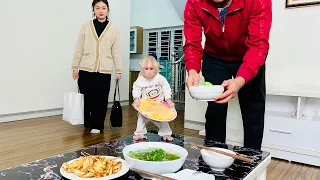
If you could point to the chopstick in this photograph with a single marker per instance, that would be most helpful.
(253, 157)
(225, 153)
(158, 176)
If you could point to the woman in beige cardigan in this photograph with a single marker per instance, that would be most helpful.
(97, 51)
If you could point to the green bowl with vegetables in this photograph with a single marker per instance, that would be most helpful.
(155, 157)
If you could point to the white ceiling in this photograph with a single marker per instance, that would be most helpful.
(179, 6)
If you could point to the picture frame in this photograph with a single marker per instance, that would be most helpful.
(301, 3)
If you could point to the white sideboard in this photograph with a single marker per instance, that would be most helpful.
(292, 124)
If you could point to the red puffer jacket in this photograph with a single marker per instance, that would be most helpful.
(243, 36)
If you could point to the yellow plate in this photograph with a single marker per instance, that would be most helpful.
(157, 111)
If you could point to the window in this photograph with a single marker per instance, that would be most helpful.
(162, 42)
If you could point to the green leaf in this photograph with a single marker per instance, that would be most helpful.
(153, 154)
(207, 84)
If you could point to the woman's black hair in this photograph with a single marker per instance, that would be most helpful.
(94, 2)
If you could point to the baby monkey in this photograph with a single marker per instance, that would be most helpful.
(152, 86)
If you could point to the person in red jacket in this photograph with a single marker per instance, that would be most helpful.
(236, 47)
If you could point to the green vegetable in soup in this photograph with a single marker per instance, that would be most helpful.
(153, 154)
(207, 84)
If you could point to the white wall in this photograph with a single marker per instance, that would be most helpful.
(154, 14)
(293, 60)
(37, 44)
(151, 14)
(120, 14)
(179, 6)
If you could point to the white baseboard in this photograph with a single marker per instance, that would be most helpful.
(188, 124)
(123, 103)
(30, 115)
(202, 132)
(41, 113)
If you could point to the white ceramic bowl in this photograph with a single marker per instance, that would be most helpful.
(216, 161)
(152, 166)
(206, 93)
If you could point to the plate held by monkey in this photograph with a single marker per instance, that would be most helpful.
(157, 111)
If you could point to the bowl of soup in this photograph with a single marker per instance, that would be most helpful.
(206, 93)
(155, 157)
(216, 161)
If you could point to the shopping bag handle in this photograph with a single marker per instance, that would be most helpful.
(115, 91)
(75, 84)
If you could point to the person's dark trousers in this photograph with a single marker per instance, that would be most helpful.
(251, 99)
(95, 87)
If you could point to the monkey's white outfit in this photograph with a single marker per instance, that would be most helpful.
(157, 89)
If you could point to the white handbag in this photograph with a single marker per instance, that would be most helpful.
(73, 111)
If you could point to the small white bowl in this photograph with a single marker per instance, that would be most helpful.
(206, 93)
(216, 161)
(162, 167)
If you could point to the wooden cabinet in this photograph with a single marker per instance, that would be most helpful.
(136, 40)
(133, 77)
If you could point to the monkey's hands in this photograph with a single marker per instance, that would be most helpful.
(170, 103)
(136, 104)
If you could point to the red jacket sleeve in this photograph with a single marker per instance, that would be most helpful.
(193, 38)
(258, 39)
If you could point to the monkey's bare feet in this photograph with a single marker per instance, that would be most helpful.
(167, 138)
(139, 137)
